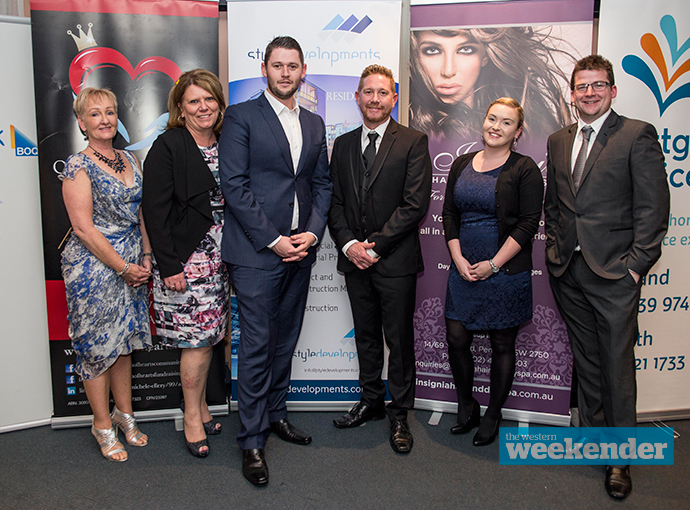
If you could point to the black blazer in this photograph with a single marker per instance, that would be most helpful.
(176, 203)
(396, 198)
(519, 194)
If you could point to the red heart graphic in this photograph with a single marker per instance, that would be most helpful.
(91, 59)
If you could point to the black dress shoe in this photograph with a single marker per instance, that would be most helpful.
(401, 437)
(359, 413)
(486, 433)
(618, 482)
(254, 466)
(472, 421)
(288, 432)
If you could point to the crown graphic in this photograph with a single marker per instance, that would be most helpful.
(84, 40)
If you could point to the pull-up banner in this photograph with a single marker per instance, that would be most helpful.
(339, 39)
(137, 49)
(463, 57)
(648, 44)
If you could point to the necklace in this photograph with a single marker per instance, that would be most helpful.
(116, 163)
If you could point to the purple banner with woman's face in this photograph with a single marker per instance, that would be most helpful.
(462, 58)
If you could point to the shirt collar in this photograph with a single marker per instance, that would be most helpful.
(380, 129)
(596, 125)
(277, 106)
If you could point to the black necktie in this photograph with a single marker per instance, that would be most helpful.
(370, 151)
(579, 167)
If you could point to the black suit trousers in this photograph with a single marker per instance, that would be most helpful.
(383, 307)
(601, 316)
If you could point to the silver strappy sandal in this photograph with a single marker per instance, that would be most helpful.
(107, 440)
(128, 425)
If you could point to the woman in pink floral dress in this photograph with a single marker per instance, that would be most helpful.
(183, 209)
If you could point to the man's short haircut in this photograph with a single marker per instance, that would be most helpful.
(376, 69)
(286, 42)
(593, 63)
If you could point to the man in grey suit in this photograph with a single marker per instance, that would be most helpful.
(606, 214)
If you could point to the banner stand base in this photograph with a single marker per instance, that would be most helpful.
(66, 422)
(508, 414)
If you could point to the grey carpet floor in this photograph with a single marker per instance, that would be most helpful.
(43, 468)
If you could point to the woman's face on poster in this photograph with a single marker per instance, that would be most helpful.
(452, 65)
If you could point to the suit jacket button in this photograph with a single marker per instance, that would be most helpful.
(291, 204)
(579, 215)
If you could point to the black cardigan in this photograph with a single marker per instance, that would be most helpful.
(519, 196)
(176, 202)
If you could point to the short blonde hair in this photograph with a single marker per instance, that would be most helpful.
(201, 78)
(376, 69)
(87, 95)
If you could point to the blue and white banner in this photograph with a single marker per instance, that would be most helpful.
(649, 46)
(339, 39)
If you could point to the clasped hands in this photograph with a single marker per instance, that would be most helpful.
(357, 253)
(137, 275)
(473, 272)
(294, 248)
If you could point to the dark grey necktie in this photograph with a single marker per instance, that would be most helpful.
(579, 167)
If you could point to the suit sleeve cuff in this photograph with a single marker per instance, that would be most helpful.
(347, 247)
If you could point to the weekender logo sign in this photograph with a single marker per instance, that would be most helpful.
(592, 445)
(648, 44)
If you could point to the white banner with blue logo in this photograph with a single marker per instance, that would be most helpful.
(339, 39)
(24, 401)
(649, 46)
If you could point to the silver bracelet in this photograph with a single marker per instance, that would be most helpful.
(124, 270)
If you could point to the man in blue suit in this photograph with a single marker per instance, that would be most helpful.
(274, 175)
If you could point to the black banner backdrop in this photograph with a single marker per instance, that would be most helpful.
(137, 49)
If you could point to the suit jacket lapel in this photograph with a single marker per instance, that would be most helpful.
(277, 129)
(384, 149)
(355, 155)
(568, 155)
(306, 140)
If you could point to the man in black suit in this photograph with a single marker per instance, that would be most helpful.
(606, 214)
(274, 175)
(381, 189)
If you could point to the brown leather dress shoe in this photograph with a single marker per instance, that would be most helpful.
(401, 438)
(618, 482)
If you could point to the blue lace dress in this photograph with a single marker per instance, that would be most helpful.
(502, 300)
(107, 317)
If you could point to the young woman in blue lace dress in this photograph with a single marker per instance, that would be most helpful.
(490, 215)
(105, 266)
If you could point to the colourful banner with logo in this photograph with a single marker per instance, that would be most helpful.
(339, 39)
(24, 401)
(525, 50)
(649, 46)
(138, 49)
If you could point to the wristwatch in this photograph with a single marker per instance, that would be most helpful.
(494, 269)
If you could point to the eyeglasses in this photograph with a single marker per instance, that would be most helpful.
(597, 86)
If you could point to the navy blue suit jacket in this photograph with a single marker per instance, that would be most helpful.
(259, 182)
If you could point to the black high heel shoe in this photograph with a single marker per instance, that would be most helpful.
(482, 438)
(472, 421)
